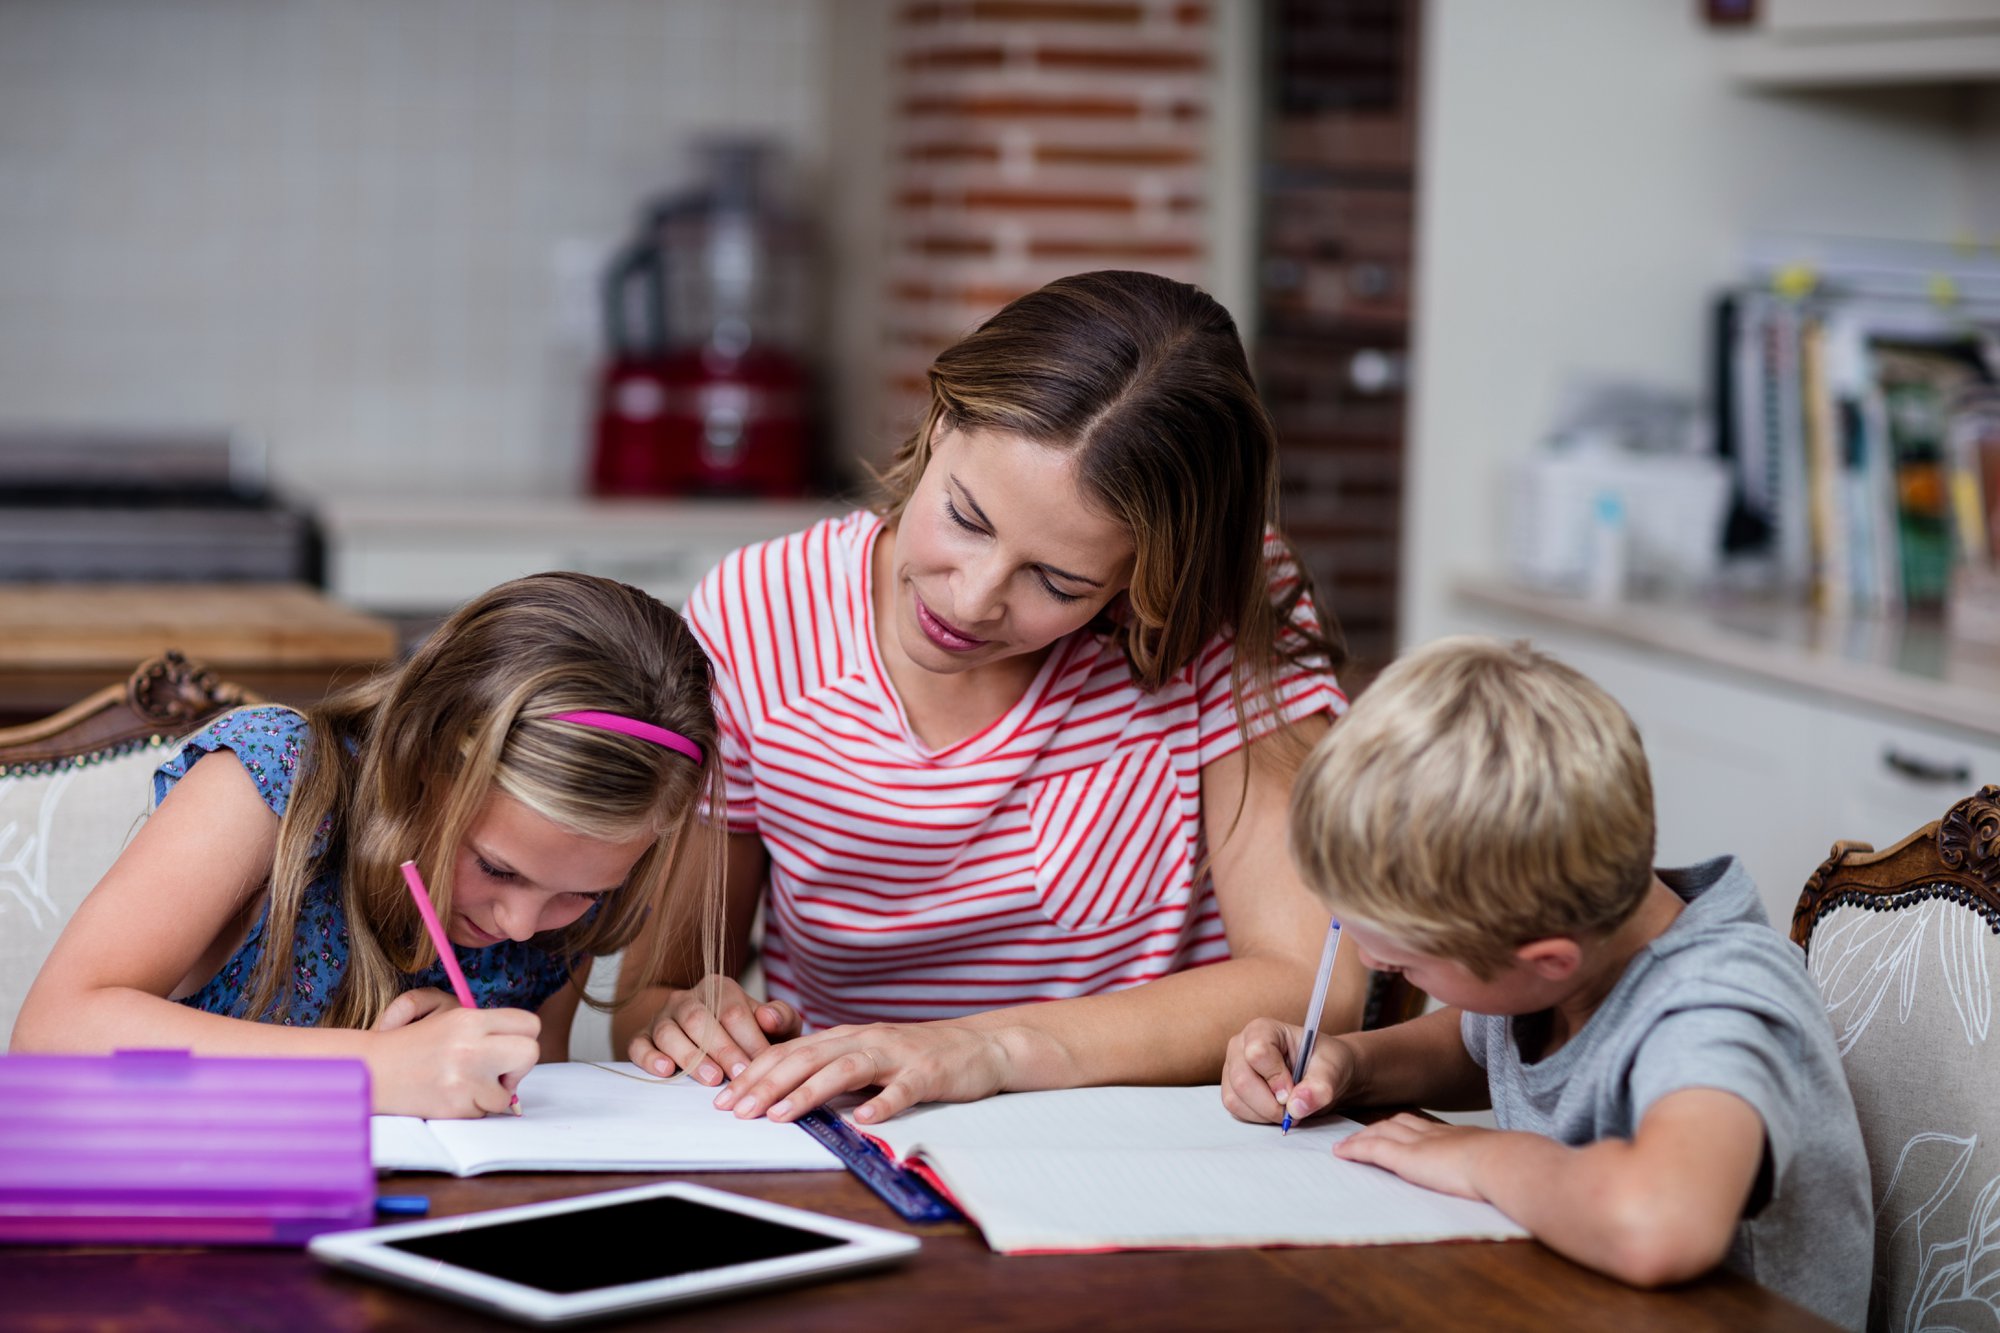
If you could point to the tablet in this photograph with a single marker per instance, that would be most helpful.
(606, 1254)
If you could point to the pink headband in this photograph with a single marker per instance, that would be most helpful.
(632, 726)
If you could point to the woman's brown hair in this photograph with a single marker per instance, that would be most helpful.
(398, 767)
(1144, 379)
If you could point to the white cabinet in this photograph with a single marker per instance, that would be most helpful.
(1746, 761)
(1886, 776)
(418, 558)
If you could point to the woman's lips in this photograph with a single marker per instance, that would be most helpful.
(941, 632)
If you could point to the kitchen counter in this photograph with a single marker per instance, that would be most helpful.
(286, 641)
(1909, 665)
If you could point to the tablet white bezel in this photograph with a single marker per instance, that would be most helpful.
(369, 1251)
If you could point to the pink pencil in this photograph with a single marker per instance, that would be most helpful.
(443, 942)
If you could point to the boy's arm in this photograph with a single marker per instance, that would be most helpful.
(1422, 1062)
(1658, 1209)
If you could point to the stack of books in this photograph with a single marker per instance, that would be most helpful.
(1859, 404)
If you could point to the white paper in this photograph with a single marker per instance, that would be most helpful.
(587, 1117)
(1167, 1168)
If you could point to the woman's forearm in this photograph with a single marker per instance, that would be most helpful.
(1170, 1031)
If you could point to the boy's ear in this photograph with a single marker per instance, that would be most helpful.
(1553, 959)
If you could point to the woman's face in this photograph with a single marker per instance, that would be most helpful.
(998, 554)
(519, 874)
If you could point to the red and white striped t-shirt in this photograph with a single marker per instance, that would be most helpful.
(1052, 855)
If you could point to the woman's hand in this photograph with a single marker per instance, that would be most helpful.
(443, 1062)
(943, 1061)
(736, 1030)
(1257, 1073)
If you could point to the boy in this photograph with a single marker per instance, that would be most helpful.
(1659, 1064)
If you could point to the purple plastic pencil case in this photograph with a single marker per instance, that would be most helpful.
(164, 1147)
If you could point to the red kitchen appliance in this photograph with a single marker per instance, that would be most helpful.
(705, 390)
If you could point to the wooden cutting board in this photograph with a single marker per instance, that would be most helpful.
(231, 628)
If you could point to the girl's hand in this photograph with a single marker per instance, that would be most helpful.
(443, 1062)
(1424, 1152)
(911, 1063)
(1257, 1073)
(736, 1031)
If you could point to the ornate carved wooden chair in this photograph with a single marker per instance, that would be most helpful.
(73, 789)
(1905, 945)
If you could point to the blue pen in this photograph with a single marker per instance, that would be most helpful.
(1313, 1013)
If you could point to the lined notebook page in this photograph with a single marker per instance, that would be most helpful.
(585, 1117)
(1166, 1168)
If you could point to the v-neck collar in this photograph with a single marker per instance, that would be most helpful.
(981, 743)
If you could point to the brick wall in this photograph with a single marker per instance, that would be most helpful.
(1032, 140)
(1335, 273)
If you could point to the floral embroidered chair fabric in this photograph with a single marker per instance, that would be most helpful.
(1903, 946)
(74, 788)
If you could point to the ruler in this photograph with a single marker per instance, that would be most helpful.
(905, 1191)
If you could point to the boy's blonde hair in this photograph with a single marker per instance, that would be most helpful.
(1479, 795)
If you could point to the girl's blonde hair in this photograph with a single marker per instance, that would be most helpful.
(1479, 795)
(1144, 380)
(399, 766)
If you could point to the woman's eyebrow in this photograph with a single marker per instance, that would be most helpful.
(980, 514)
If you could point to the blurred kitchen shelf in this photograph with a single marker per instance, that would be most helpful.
(415, 559)
(1957, 52)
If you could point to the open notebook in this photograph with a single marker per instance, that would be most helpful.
(1164, 1168)
(588, 1117)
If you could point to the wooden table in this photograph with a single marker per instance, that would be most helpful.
(285, 641)
(954, 1282)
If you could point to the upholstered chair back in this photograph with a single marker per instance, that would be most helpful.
(74, 788)
(1903, 946)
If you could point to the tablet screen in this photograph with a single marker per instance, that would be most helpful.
(615, 1245)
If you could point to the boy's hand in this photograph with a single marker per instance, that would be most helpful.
(1424, 1152)
(1257, 1073)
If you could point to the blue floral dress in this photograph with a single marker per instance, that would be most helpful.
(270, 743)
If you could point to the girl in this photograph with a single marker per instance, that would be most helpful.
(1008, 758)
(542, 758)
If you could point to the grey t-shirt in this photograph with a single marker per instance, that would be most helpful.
(1719, 1000)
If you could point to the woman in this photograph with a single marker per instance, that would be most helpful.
(1009, 757)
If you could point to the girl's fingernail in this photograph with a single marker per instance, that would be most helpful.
(778, 1112)
(865, 1113)
(736, 1071)
(768, 1015)
(662, 1068)
(723, 1098)
(748, 1108)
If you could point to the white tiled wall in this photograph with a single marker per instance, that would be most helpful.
(341, 224)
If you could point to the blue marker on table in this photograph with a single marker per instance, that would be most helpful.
(1314, 1011)
(402, 1205)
